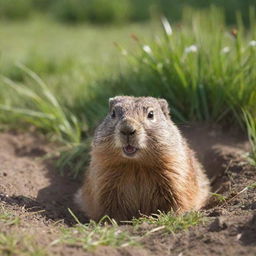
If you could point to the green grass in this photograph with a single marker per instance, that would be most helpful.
(7, 218)
(252, 186)
(22, 245)
(49, 84)
(115, 11)
(218, 197)
(48, 114)
(13, 242)
(93, 235)
(104, 233)
(205, 72)
(169, 222)
(69, 60)
(74, 157)
(108, 233)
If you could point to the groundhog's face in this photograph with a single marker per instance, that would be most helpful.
(135, 125)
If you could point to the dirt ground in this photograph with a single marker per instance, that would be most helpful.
(31, 189)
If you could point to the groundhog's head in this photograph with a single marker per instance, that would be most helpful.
(135, 126)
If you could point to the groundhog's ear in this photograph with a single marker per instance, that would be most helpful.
(111, 102)
(165, 107)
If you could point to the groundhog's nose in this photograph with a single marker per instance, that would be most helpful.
(128, 130)
(127, 127)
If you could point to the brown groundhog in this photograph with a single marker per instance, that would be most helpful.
(140, 164)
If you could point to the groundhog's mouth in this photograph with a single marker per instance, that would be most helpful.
(129, 150)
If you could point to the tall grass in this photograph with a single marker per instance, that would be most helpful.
(204, 69)
(116, 11)
(46, 112)
(95, 11)
(16, 9)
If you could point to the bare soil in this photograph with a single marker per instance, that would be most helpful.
(31, 189)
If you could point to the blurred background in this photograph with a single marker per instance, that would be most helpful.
(115, 11)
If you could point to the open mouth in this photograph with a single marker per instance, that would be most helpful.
(129, 150)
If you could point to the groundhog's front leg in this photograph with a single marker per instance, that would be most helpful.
(87, 201)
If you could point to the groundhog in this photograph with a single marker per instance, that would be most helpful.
(140, 164)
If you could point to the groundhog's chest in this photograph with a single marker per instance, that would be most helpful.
(137, 191)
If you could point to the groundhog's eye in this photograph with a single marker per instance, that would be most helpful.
(113, 115)
(150, 115)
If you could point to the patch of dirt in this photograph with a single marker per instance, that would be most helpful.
(31, 189)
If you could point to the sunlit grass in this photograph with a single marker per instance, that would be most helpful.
(46, 113)
(8, 218)
(108, 233)
(93, 235)
(252, 186)
(74, 158)
(204, 69)
(218, 197)
(13, 242)
(104, 233)
(17, 244)
(169, 222)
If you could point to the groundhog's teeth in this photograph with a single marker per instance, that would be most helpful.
(130, 149)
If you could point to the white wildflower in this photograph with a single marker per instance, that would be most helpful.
(118, 232)
(167, 26)
(147, 49)
(191, 48)
(124, 52)
(238, 236)
(159, 66)
(252, 43)
(226, 49)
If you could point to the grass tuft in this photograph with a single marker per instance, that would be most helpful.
(108, 233)
(14, 244)
(105, 233)
(170, 222)
(74, 159)
(7, 218)
(220, 198)
(47, 112)
(252, 186)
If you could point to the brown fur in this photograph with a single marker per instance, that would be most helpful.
(166, 175)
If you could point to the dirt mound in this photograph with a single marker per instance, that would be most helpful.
(31, 189)
(29, 181)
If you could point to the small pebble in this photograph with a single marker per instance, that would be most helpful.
(238, 236)
(219, 224)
